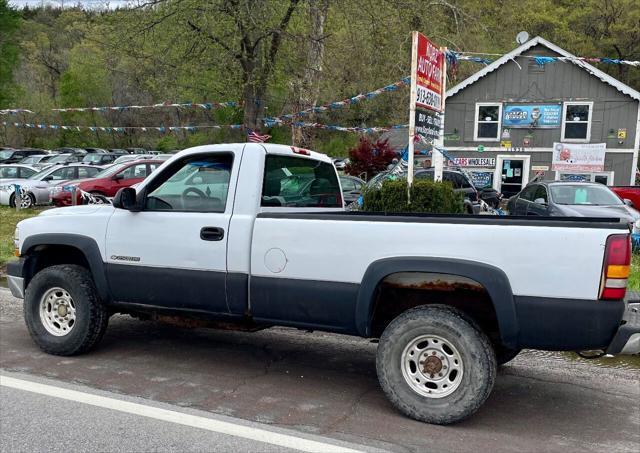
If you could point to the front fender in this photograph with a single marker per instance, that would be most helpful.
(494, 280)
(89, 248)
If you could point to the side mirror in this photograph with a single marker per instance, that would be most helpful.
(629, 202)
(540, 201)
(126, 199)
(118, 177)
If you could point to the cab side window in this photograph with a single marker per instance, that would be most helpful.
(300, 182)
(197, 184)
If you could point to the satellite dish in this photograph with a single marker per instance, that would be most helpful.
(522, 37)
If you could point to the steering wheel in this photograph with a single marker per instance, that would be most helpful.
(195, 190)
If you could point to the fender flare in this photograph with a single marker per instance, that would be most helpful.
(494, 280)
(87, 246)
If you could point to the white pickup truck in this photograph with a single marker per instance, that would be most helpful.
(252, 236)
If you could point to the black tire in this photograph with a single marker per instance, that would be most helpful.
(91, 317)
(474, 349)
(505, 355)
(12, 200)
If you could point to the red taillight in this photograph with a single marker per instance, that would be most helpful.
(617, 265)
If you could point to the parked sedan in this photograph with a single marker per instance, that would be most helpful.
(39, 161)
(65, 158)
(15, 171)
(36, 188)
(573, 199)
(351, 188)
(12, 156)
(106, 183)
(101, 158)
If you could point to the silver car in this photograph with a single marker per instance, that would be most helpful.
(35, 190)
(16, 171)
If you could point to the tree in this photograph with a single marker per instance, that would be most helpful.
(308, 89)
(250, 32)
(369, 158)
(9, 24)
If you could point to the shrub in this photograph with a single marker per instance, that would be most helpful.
(369, 158)
(426, 196)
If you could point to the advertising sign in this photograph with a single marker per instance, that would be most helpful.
(532, 115)
(429, 73)
(474, 161)
(428, 124)
(481, 179)
(578, 156)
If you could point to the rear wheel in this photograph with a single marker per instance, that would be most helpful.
(63, 312)
(434, 365)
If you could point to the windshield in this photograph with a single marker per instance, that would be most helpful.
(6, 154)
(31, 160)
(579, 194)
(59, 158)
(42, 173)
(109, 171)
(92, 158)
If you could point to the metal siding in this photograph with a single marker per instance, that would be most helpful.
(559, 82)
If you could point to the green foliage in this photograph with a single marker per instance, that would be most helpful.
(634, 276)
(9, 24)
(190, 50)
(426, 196)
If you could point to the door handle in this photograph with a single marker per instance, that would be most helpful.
(211, 234)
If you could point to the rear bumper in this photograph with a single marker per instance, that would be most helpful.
(567, 324)
(627, 338)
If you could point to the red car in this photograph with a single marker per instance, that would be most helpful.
(629, 193)
(107, 182)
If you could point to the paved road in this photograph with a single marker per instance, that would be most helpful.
(319, 384)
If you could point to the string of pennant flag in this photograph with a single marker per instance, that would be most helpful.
(272, 121)
(124, 108)
(168, 129)
(484, 58)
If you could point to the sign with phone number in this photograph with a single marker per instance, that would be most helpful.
(429, 74)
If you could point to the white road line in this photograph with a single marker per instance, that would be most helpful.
(246, 432)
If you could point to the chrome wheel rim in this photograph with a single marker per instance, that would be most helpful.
(25, 201)
(432, 366)
(57, 312)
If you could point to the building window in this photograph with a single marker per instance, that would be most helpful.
(576, 121)
(488, 120)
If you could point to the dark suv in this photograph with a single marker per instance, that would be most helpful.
(11, 156)
(461, 183)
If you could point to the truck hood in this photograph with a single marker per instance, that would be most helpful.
(620, 211)
(76, 210)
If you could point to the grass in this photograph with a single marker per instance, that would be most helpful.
(634, 278)
(8, 219)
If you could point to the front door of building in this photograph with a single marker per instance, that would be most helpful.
(511, 174)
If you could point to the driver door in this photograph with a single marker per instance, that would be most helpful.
(173, 253)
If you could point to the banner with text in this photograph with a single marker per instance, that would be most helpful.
(532, 115)
(578, 156)
(428, 76)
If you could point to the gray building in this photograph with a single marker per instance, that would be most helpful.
(504, 122)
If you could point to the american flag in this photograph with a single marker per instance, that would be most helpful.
(255, 137)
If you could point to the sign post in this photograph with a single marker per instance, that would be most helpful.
(428, 73)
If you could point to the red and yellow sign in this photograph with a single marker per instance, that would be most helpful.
(429, 74)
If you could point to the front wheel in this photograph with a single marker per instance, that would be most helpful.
(63, 312)
(434, 365)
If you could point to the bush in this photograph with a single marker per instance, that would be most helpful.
(426, 196)
(369, 158)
